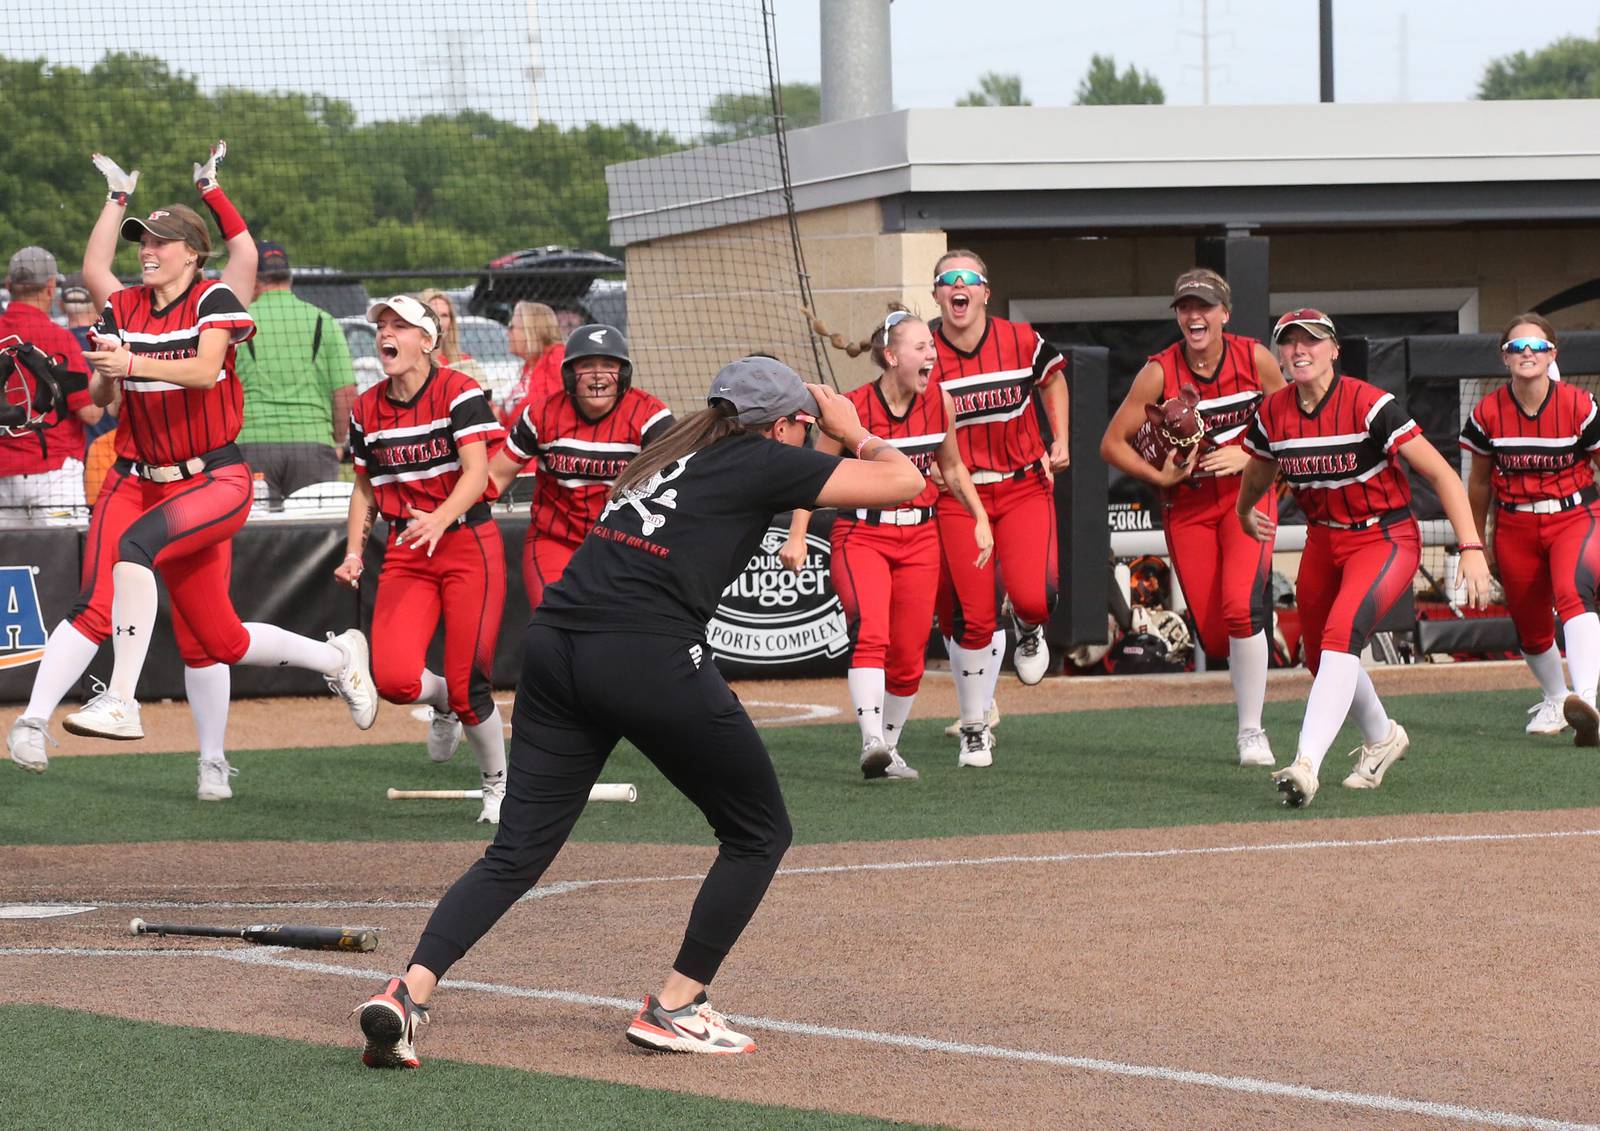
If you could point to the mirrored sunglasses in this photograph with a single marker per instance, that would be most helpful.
(963, 275)
(895, 318)
(1537, 345)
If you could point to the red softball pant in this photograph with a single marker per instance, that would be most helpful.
(544, 559)
(887, 578)
(1226, 574)
(1547, 561)
(1349, 579)
(1022, 515)
(465, 581)
(184, 531)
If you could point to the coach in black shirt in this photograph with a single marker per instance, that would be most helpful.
(617, 650)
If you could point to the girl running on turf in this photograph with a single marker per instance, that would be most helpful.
(1226, 575)
(885, 563)
(1533, 442)
(1339, 443)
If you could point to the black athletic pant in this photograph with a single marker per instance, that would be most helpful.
(581, 692)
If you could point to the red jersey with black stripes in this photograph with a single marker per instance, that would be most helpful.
(1339, 458)
(916, 433)
(169, 423)
(1228, 398)
(579, 458)
(1540, 455)
(410, 451)
(997, 426)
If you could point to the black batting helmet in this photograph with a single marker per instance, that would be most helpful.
(596, 340)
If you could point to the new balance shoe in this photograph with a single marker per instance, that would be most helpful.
(106, 716)
(494, 792)
(353, 683)
(991, 719)
(1373, 759)
(214, 775)
(977, 746)
(1032, 657)
(1584, 720)
(695, 1027)
(875, 760)
(1297, 782)
(1254, 750)
(444, 735)
(389, 1021)
(898, 768)
(26, 741)
(1548, 717)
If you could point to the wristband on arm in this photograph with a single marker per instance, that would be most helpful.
(222, 209)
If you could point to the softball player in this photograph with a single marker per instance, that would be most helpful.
(169, 343)
(885, 563)
(582, 438)
(617, 650)
(1225, 574)
(1338, 441)
(1533, 441)
(991, 368)
(420, 440)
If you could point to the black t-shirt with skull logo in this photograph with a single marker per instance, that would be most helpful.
(660, 557)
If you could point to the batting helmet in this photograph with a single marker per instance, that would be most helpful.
(596, 340)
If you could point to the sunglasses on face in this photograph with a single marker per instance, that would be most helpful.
(963, 275)
(1537, 345)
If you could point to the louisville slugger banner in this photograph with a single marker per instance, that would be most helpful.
(773, 622)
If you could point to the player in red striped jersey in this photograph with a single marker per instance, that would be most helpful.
(1339, 441)
(582, 437)
(169, 343)
(1225, 574)
(420, 441)
(991, 368)
(885, 564)
(1534, 440)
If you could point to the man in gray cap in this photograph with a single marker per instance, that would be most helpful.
(41, 473)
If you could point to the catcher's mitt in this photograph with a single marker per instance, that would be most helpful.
(1174, 423)
(35, 388)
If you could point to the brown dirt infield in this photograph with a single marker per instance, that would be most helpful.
(1306, 974)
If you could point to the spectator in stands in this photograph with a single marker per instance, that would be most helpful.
(537, 339)
(450, 351)
(298, 384)
(41, 473)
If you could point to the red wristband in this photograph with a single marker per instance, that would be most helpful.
(1465, 546)
(227, 216)
(865, 440)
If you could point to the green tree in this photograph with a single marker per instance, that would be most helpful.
(995, 89)
(1568, 68)
(734, 116)
(1101, 85)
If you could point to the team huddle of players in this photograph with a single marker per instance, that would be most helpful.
(978, 403)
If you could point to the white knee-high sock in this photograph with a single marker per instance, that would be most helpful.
(274, 647)
(971, 667)
(1367, 709)
(896, 710)
(997, 655)
(488, 742)
(133, 618)
(435, 692)
(1247, 671)
(67, 655)
(866, 694)
(1328, 704)
(1546, 668)
(1583, 653)
(208, 690)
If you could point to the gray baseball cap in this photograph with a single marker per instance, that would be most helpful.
(31, 267)
(763, 390)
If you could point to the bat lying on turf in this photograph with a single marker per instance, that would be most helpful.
(604, 791)
(304, 938)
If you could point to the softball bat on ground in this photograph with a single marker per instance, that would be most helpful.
(602, 792)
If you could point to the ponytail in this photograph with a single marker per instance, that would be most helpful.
(686, 437)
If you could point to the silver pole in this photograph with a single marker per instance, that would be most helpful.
(856, 59)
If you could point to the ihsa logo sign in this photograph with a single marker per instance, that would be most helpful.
(22, 634)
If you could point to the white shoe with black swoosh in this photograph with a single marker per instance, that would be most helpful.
(695, 1027)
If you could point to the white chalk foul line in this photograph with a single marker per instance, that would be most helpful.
(278, 958)
(564, 887)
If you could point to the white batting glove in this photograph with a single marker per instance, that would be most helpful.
(205, 176)
(120, 183)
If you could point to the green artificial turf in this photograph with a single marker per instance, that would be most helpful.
(1094, 769)
(86, 1072)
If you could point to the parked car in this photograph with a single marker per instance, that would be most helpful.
(483, 338)
(565, 279)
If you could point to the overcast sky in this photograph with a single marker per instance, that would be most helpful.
(654, 61)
